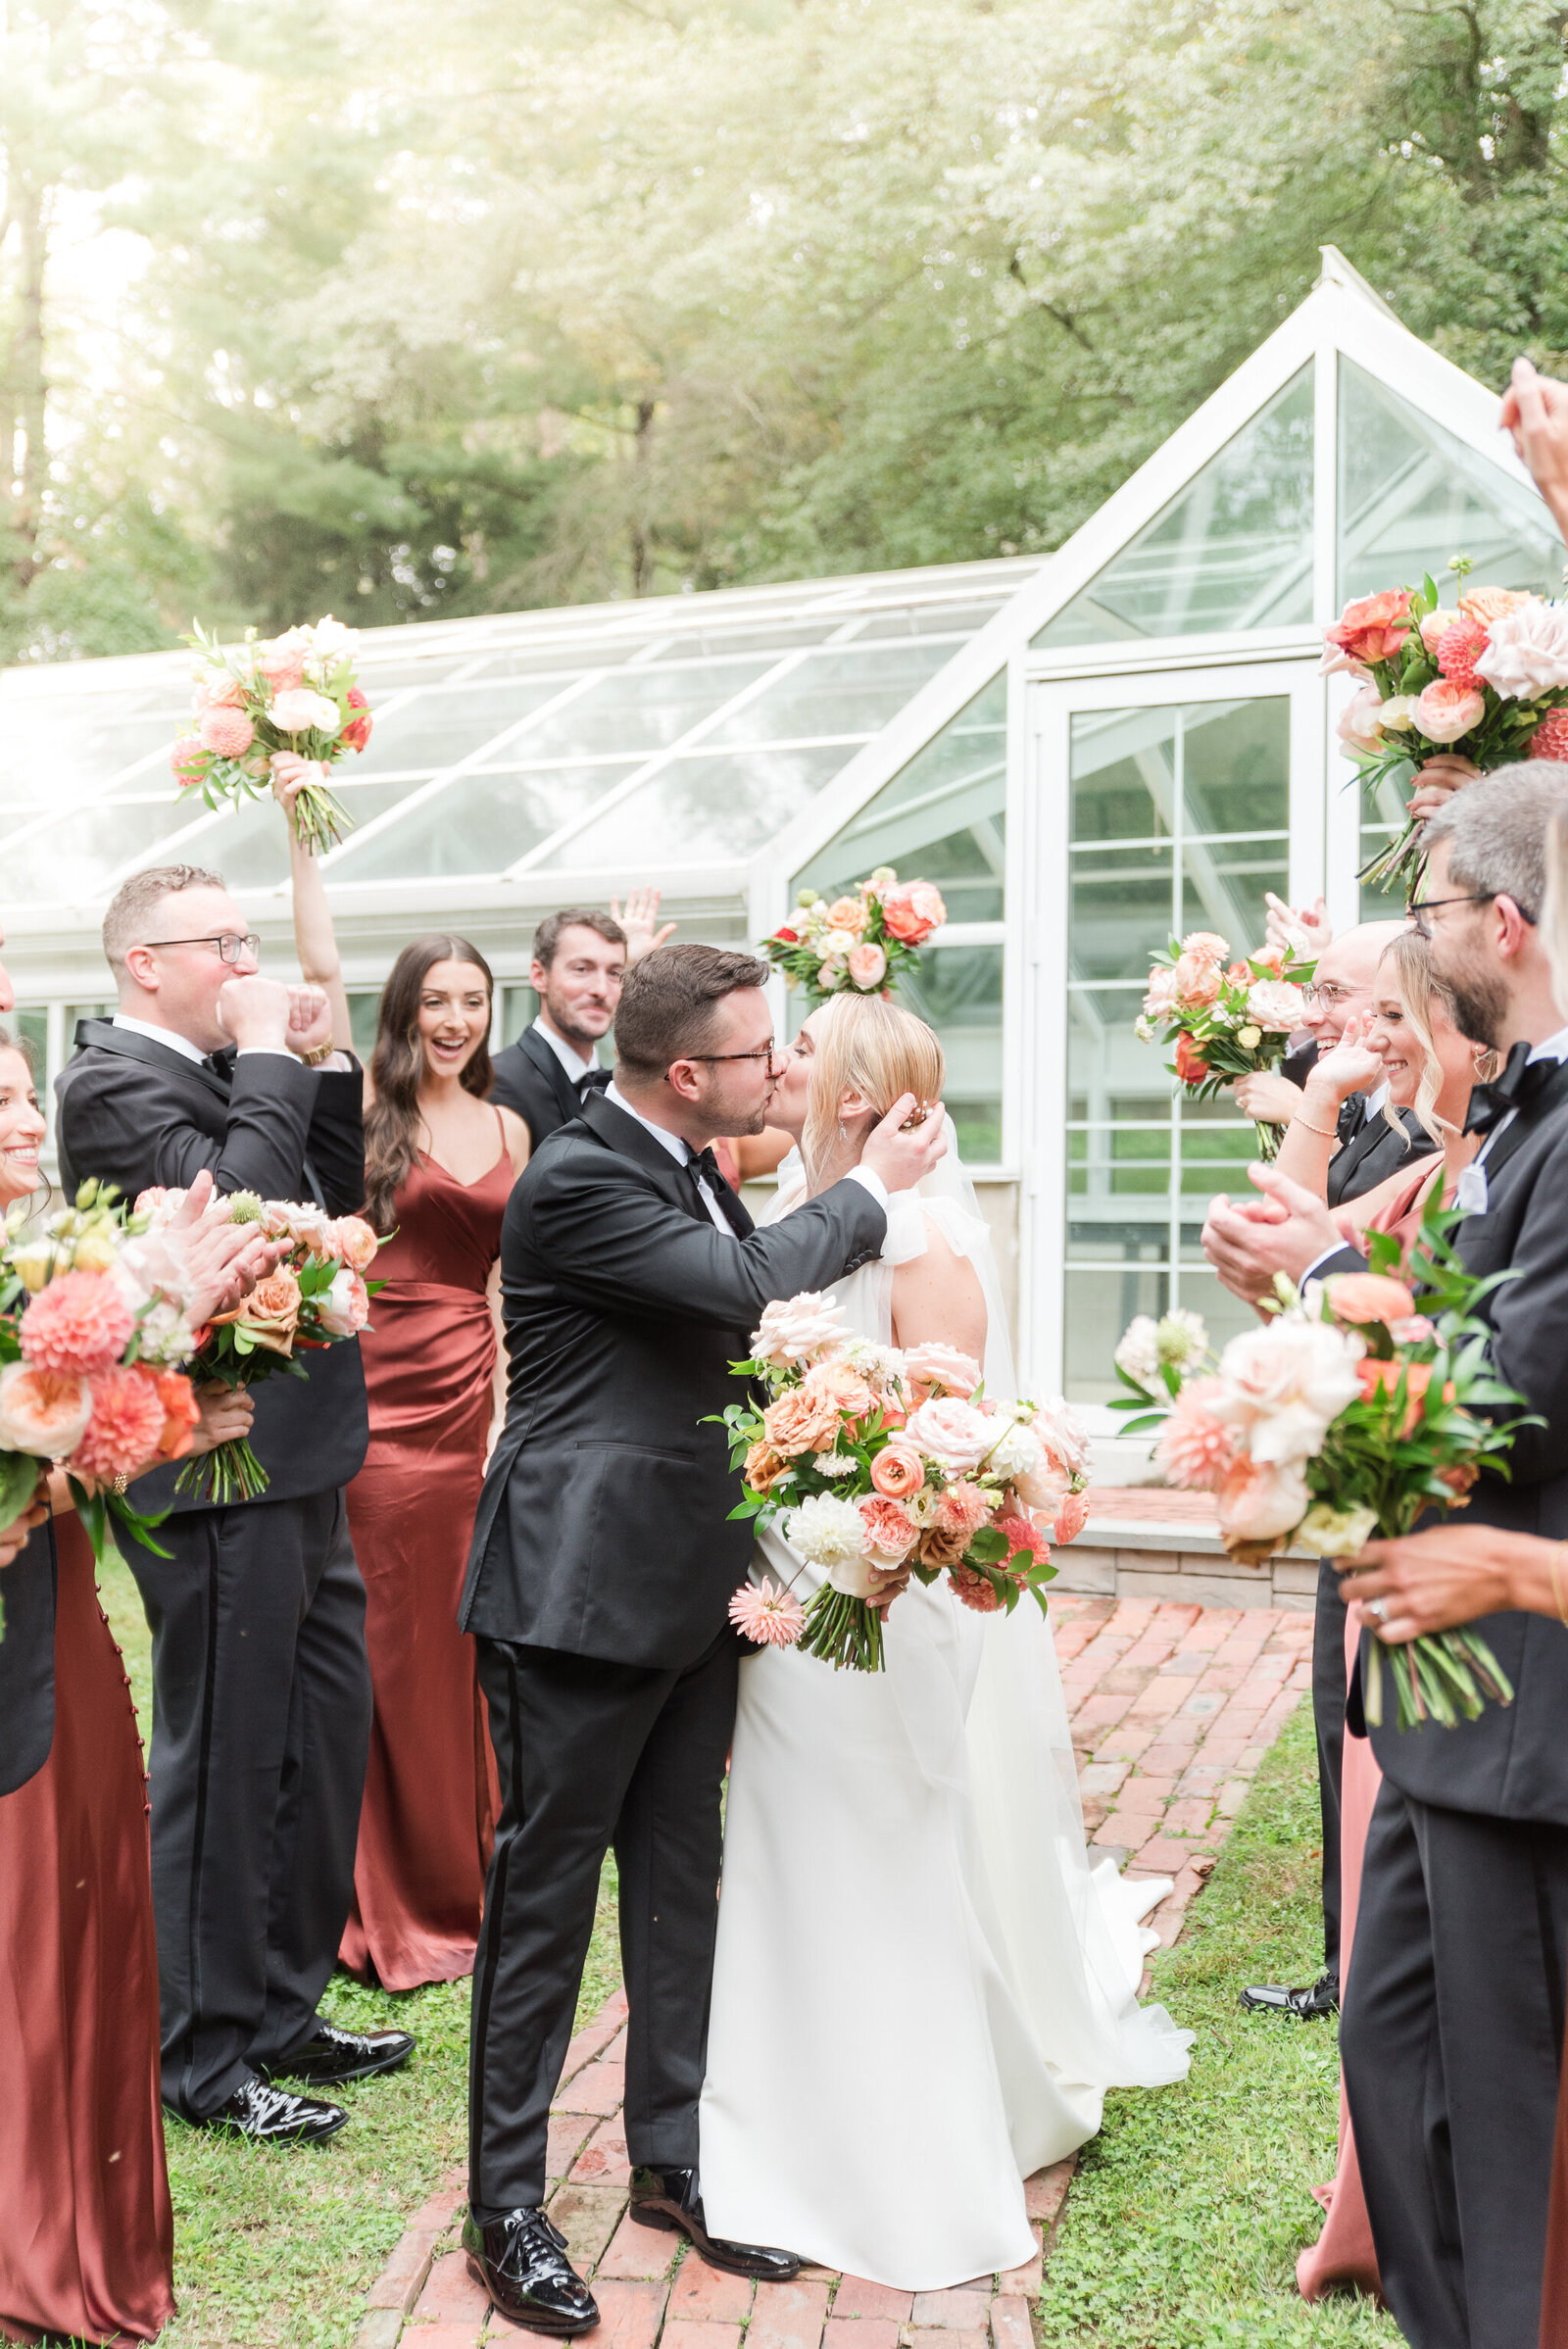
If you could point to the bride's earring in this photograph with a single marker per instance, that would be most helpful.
(844, 1131)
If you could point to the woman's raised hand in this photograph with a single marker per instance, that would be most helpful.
(1347, 1067)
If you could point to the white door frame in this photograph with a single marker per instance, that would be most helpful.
(1040, 827)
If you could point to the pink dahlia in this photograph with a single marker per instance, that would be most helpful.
(187, 758)
(770, 1616)
(1195, 1448)
(963, 1509)
(1025, 1539)
(974, 1590)
(80, 1322)
(1550, 737)
(229, 732)
(126, 1426)
(1457, 650)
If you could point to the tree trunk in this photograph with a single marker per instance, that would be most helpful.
(642, 558)
(24, 484)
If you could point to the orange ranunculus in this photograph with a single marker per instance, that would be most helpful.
(181, 1411)
(1383, 1377)
(1191, 1067)
(1368, 1296)
(1373, 627)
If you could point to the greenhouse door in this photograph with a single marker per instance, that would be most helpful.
(1159, 804)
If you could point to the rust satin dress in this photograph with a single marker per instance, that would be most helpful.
(430, 1799)
(86, 2232)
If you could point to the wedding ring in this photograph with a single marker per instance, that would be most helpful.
(1378, 1607)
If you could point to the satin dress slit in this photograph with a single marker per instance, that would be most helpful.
(86, 2231)
(430, 1795)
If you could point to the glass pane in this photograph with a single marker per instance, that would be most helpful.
(1109, 1073)
(1118, 1163)
(942, 818)
(845, 692)
(641, 709)
(1120, 911)
(1097, 1307)
(55, 752)
(703, 810)
(28, 1025)
(520, 1009)
(957, 991)
(1235, 761)
(72, 859)
(1233, 550)
(479, 824)
(1226, 1316)
(437, 729)
(1411, 495)
(1215, 1153)
(250, 847)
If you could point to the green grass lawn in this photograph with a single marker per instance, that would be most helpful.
(1180, 2232)
(281, 2246)
(1182, 2227)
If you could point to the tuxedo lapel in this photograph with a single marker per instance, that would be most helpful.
(567, 1099)
(621, 1133)
(105, 1038)
(1519, 1129)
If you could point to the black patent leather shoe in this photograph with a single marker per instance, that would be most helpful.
(270, 2115)
(521, 2259)
(331, 2055)
(672, 2198)
(1307, 2005)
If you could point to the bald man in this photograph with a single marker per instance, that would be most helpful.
(1343, 985)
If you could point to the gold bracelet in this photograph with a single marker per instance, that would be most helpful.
(1556, 1586)
(1329, 1132)
(323, 1051)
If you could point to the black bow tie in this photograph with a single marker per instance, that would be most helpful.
(703, 1162)
(1521, 1080)
(593, 1080)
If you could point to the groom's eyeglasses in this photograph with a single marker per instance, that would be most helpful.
(768, 1052)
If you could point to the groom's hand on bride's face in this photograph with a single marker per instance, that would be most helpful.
(901, 1152)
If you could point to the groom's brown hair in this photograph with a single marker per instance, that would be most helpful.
(669, 1004)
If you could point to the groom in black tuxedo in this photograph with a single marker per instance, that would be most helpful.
(1454, 2022)
(599, 1582)
(262, 1691)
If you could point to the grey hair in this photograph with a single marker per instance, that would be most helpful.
(1554, 911)
(136, 899)
(1496, 831)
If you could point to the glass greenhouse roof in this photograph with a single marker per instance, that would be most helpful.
(682, 731)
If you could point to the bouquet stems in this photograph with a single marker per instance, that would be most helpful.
(320, 818)
(843, 1631)
(1399, 862)
(230, 1472)
(1443, 1677)
(1269, 1138)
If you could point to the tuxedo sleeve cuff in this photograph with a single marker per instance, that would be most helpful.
(870, 1181)
(1342, 1258)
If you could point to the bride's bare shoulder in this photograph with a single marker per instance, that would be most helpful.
(937, 1295)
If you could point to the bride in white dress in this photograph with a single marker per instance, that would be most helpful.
(921, 1992)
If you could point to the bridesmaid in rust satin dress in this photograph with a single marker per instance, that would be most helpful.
(87, 2238)
(430, 1799)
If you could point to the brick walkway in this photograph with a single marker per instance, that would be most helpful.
(1173, 1708)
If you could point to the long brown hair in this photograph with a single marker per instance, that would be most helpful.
(397, 1068)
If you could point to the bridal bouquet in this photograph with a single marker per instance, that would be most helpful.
(93, 1323)
(1488, 682)
(1224, 1019)
(1348, 1414)
(295, 693)
(858, 945)
(317, 1295)
(879, 1464)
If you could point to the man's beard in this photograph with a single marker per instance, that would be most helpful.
(1480, 1006)
(585, 1039)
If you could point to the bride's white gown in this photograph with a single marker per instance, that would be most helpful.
(921, 1992)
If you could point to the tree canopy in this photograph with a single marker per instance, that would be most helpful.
(401, 311)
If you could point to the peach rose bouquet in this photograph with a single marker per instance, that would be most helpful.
(1354, 1410)
(878, 1465)
(1222, 1018)
(1486, 680)
(317, 1296)
(296, 692)
(94, 1323)
(859, 944)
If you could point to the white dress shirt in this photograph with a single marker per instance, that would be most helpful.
(677, 1149)
(571, 1060)
(193, 1051)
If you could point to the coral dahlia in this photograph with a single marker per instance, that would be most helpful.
(80, 1322)
(126, 1425)
(1550, 737)
(1459, 649)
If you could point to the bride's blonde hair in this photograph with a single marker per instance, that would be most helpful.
(872, 1047)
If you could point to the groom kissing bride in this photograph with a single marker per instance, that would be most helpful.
(599, 1582)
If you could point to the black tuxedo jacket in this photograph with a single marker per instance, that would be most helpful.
(529, 1080)
(1513, 1762)
(602, 1528)
(1370, 1150)
(135, 1112)
(28, 1660)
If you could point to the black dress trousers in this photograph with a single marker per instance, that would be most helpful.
(592, 1754)
(1451, 2040)
(1328, 1719)
(261, 1728)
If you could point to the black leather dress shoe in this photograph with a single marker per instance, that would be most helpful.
(521, 2261)
(672, 2198)
(331, 2055)
(270, 2115)
(1321, 1997)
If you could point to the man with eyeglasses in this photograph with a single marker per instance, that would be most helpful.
(1452, 2034)
(603, 1564)
(261, 1689)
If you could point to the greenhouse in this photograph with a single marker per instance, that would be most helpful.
(1084, 751)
